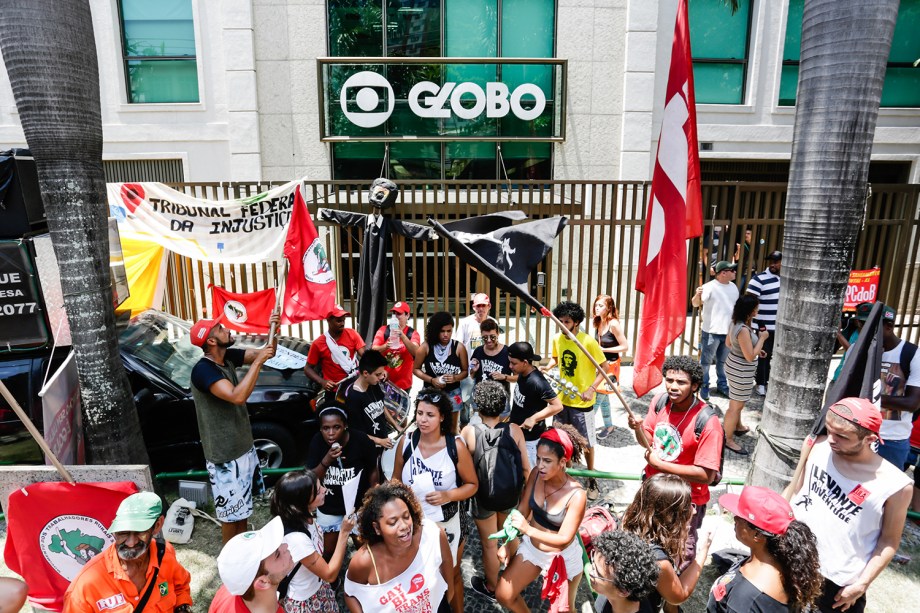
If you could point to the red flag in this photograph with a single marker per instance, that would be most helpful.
(243, 312)
(674, 215)
(53, 529)
(310, 290)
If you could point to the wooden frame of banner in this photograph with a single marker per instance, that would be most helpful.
(643, 440)
(65, 474)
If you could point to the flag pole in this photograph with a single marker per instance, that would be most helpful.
(279, 296)
(643, 440)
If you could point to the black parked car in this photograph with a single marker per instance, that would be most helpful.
(158, 357)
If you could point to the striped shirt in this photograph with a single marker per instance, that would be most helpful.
(765, 285)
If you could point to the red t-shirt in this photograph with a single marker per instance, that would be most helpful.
(225, 602)
(320, 354)
(674, 440)
(915, 435)
(399, 361)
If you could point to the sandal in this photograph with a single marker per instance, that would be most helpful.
(740, 450)
(742, 431)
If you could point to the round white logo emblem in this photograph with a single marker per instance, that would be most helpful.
(235, 312)
(68, 542)
(316, 267)
(667, 442)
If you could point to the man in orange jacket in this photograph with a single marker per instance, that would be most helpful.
(135, 571)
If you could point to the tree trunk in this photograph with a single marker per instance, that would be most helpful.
(845, 46)
(50, 55)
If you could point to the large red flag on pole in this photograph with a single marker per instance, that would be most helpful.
(309, 293)
(674, 215)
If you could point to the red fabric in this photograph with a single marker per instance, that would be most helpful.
(399, 361)
(54, 529)
(707, 452)
(321, 356)
(246, 312)
(225, 602)
(915, 435)
(556, 586)
(674, 215)
(309, 293)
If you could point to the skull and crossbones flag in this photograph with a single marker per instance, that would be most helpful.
(506, 254)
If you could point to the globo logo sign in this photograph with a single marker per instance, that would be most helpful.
(374, 100)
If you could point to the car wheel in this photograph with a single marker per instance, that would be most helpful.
(274, 446)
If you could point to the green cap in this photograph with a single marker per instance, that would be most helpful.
(137, 513)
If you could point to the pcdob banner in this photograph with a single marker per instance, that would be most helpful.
(220, 231)
(863, 287)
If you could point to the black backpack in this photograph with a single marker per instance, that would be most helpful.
(386, 333)
(499, 467)
(702, 418)
(451, 508)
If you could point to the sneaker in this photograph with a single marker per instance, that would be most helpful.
(704, 393)
(605, 432)
(593, 490)
(761, 390)
(723, 392)
(479, 586)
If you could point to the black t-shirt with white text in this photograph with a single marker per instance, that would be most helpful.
(366, 410)
(531, 395)
(491, 363)
(358, 454)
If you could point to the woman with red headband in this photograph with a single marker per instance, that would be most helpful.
(551, 509)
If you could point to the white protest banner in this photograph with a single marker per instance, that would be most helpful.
(220, 231)
(61, 414)
(287, 359)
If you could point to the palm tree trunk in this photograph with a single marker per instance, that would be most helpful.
(845, 46)
(50, 55)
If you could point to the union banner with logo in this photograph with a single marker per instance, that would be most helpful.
(221, 231)
(862, 287)
(243, 312)
(309, 293)
(54, 529)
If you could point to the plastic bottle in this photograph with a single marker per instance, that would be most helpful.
(394, 341)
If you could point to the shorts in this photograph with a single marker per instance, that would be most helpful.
(456, 400)
(581, 420)
(233, 485)
(532, 452)
(320, 602)
(331, 523)
(480, 513)
(572, 555)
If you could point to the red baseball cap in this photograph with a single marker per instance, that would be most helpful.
(201, 330)
(400, 307)
(338, 311)
(761, 507)
(861, 412)
(481, 299)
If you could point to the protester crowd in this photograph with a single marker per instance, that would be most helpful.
(486, 445)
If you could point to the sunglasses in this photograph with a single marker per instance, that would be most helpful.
(429, 397)
(489, 337)
(592, 573)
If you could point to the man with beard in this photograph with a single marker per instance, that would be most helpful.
(252, 566)
(854, 501)
(223, 421)
(136, 570)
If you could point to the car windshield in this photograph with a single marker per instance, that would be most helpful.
(162, 343)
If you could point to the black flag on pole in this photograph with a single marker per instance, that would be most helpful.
(506, 255)
(859, 377)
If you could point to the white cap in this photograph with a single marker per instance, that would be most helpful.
(238, 562)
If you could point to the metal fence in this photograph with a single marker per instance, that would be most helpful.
(597, 253)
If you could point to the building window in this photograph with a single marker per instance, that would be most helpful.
(902, 79)
(158, 42)
(446, 28)
(719, 43)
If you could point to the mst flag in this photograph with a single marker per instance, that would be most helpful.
(506, 255)
(309, 293)
(243, 312)
(861, 372)
(54, 529)
(674, 215)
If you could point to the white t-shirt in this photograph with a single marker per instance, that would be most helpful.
(894, 384)
(718, 303)
(845, 515)
(468, 333)
(304, 584)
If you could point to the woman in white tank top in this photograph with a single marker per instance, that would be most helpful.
(405, 561)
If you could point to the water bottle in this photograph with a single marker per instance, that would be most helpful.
(394, 341)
